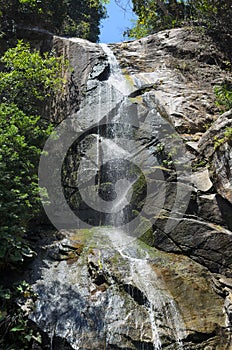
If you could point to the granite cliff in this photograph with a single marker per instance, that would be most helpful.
(170, 285)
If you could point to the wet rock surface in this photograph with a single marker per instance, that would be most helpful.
(182, 70)
(177, 293)
(129, 297)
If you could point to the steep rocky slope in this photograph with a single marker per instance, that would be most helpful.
(170, 77)
(185, 68)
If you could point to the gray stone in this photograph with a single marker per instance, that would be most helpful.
(214, 208)
(202, 180)
(198, 240)
(219, 156)
(115, 297)
(209, 209)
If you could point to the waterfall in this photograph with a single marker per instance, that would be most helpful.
(158, 300)
(116, 78)
(108, 145)
(107, 295)
(141, 274)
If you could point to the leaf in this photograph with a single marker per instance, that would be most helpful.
(17, 329)
(28, 337)
(37, 338)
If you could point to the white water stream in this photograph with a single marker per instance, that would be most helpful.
(160, 305)
(116, 77)
(108, 295)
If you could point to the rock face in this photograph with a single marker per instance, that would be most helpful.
(184, 68)
(149, 143)
(183, 71)
(215, 146)
(84, 59)
(135, 297)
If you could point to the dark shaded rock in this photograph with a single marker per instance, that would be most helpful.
(216, 209)
(208, 244)
(89, 60)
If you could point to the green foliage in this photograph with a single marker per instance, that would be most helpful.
(228, 134)
(14, 329)
(27, 80)
(165, 159)
(155, 15)
(199, 163)
(226, 138)
(139, 191)
(63, 17)
(46, 14)
(215, 14)
(141, 29)
(21, 138)
(223, 94)
(83, 18)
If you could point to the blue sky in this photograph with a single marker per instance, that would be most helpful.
(117, 22)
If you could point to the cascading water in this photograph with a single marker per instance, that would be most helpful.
(158, 300)
(110, 153)
(108, 296)
(116, 78)
(142, 276)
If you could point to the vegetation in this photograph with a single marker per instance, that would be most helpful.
(63, 17)
(14, 328)
(227, 137)
(27, 81)
(155, 15)
(223, 93)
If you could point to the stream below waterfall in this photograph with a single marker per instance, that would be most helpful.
(107, 297)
